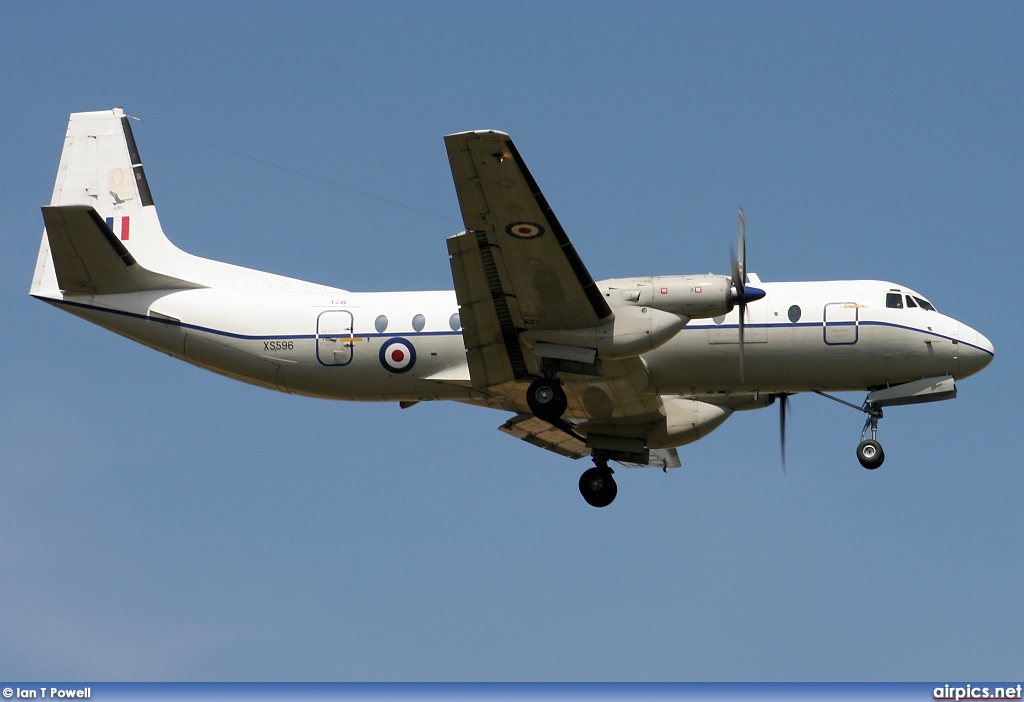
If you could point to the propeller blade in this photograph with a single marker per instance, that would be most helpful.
(737, 276)
(783, 402)
(742, 253)
(743, 314)
(738, 268)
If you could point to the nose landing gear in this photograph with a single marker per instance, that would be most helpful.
(869, 451)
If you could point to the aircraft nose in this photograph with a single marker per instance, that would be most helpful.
(976, 351)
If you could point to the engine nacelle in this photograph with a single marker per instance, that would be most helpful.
(693, 296)
(633, 331)
(685, 421)
(696, 296)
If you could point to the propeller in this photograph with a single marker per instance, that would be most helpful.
(743, 294)
(783, 404)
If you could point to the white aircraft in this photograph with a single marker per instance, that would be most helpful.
(621, 370)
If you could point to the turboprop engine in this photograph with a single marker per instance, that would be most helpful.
(693, 296)
(647, 313)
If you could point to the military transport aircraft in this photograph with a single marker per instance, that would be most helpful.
(621, 370)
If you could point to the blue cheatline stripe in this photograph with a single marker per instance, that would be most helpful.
(703, 327)
(220, 332)
(927, 333)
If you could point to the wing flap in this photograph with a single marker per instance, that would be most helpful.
(491, 321)
(536, 431)
(547, 436)
(660, 458)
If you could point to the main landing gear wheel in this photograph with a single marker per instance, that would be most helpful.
(598, 487)
(870, 454)
(546, 398)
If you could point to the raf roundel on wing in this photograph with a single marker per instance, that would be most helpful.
(524, 230)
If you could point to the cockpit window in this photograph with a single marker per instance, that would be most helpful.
(910, 302)
(894, 300)
(925, 305)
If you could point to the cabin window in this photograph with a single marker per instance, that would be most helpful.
(925, 305)
(418, 322)
(380, 324)
(894, 300)
(794, 314)
(455, 322)
(910, 302)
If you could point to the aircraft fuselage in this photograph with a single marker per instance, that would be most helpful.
(803, 336)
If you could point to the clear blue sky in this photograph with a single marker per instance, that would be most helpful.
(161, 522)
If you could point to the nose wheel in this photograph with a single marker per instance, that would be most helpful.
(869, 451)
(598, 486)
(870, 454)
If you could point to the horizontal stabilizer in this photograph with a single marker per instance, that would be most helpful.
(89, 259)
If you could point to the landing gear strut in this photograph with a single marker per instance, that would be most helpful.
(869, 451)
(597, 484)
(546, 398)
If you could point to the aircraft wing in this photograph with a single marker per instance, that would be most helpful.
(514, 268)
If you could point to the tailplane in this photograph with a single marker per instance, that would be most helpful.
(90, 259)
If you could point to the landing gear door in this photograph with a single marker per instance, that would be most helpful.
(334, 337)
(841, 323)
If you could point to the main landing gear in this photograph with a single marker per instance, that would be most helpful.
(547, 401)
(546, 398)
(869, 451)
(597, 484)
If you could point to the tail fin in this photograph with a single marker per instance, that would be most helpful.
(100, 168)
(102, 213)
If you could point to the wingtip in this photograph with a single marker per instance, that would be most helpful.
(476, 132)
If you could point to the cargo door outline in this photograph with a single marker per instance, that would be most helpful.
(334, 340)
(841, 323)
